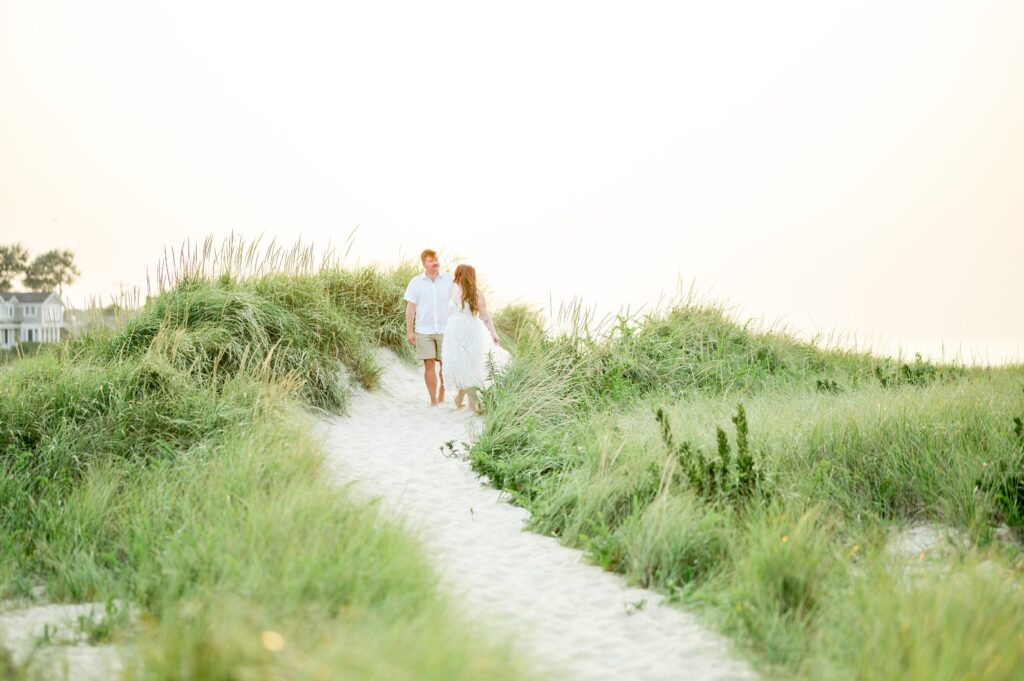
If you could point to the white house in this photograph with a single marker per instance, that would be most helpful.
(30, 317)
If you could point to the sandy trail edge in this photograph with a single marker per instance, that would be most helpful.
(68, 655)
(570, 617)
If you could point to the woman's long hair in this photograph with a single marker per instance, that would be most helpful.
(465, 277)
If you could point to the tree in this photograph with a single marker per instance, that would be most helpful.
(13, 262)
(51, 270)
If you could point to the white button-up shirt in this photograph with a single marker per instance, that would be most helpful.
(431, 301)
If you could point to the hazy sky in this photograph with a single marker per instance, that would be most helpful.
(854, 167)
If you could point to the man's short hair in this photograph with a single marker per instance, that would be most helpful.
(428, 253)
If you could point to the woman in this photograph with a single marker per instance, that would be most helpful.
(470, 352)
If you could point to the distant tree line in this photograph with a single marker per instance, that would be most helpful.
(46, 272)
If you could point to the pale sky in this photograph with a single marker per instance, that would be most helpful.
(841, 167)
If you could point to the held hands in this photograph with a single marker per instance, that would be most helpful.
(495, 338)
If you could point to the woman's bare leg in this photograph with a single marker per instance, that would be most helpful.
(474, 400)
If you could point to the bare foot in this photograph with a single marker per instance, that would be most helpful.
(459, 398)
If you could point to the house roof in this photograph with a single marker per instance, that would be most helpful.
(27, 296)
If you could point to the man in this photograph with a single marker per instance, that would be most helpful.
(426, 299)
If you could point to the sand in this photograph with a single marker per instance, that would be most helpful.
(561, 613)
(46, 641)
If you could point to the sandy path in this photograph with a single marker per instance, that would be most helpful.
(572, 618)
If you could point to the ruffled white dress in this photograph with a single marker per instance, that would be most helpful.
(468, 354)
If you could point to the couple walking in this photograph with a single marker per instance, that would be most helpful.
(446, 318)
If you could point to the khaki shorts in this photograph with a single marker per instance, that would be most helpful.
(428, 346)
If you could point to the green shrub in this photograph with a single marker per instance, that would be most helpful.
(716, 477)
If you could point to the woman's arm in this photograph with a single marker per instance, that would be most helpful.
(485, 316)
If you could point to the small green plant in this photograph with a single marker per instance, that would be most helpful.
(748, 477)
(827, 385)
(768, 358)
(453, 450)
(634, 607)
(720, 476)
(918, 373)
(604, 546)
(47, 637)
(101, 629)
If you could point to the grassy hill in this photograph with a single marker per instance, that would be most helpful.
(168, 463)
(767, 481)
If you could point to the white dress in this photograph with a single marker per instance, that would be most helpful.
(469, 356)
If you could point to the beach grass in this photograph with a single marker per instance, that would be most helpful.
(762, 479)
(170, 463)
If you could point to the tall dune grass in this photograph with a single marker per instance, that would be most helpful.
(169, 463)
(846, 447)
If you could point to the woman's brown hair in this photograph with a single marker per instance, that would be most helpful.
(465, 277)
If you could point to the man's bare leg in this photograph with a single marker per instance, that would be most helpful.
(459, 397)
(431, 380)
(440, 390)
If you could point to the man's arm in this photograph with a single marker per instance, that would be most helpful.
(410, 317)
